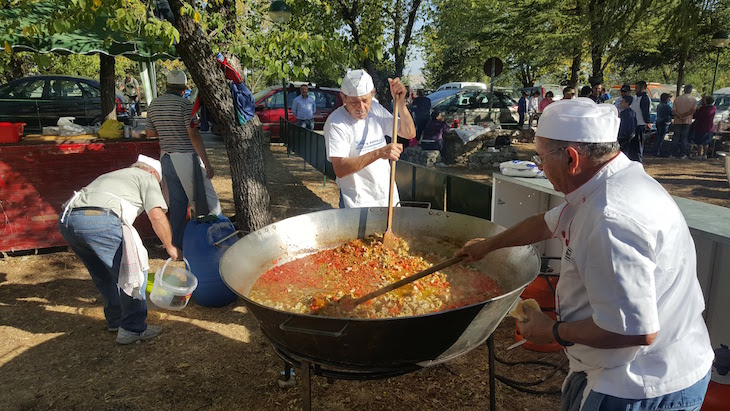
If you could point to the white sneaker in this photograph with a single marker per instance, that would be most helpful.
(127, 337)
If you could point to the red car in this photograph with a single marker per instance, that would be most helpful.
(270, 106)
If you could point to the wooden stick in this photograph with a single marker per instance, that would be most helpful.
(394, 142)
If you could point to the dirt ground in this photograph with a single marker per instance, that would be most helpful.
(55, 352)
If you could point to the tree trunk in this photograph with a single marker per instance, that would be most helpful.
(575, 67)
(244, 143)
(382, 88)
(680, 76)
(597, 62)
(108, 88)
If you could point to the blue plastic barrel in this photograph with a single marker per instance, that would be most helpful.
(204, 258)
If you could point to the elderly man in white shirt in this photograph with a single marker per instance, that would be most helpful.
(628, 301)
(355, 141)
(304, 108)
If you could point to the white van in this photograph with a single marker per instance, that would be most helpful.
(462, 84)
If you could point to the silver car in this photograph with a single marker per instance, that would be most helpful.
(472, 107)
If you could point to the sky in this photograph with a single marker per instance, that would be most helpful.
(415, 66)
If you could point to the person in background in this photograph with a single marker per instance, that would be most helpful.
(704, 126)
(597, 93)
(606, 95)
(683, 109)
(182, 155)
(640, 105)
(131, 90)
(629, 302)
(568, 93)
(533, 104)
(354, 137)
(421, 108)
(625, 91)
(522, 110)
(97, 224)
(303, 107)
(627, 129)
(585, 91)
(546, 101)
(663, 120)
(433, 133)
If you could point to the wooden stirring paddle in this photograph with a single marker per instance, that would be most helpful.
(389, 239)
(347, 303)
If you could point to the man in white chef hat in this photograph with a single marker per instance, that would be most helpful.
(628, 301)
(355, 140)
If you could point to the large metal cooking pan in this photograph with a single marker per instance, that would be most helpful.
(398, 342)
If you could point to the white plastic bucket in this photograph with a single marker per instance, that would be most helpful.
(173, 287)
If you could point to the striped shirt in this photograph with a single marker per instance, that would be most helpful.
(169, 115)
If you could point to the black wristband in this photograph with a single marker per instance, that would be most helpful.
(557, 335)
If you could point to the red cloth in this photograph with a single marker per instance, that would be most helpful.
(231, 73)
(544, 103)
(704, 119)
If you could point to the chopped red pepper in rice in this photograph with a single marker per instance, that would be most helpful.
(313, 284)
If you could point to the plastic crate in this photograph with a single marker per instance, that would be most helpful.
(11, 132)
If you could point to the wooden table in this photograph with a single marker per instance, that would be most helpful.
(37, 176)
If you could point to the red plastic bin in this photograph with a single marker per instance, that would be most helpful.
(11, 132)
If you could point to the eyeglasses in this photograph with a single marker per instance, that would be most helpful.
(537, 159)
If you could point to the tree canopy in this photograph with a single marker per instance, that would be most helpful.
(575, 41)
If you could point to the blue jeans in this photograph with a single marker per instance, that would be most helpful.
(679, 141)
(661, 131)
(688, 399)
(178, 205)
(306, 123)
(97, 241)
(635, 150)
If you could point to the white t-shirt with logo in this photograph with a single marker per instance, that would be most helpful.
(629, 263)
(348, 137)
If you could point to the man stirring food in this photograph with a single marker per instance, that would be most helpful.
(355, 140)
(629, 303)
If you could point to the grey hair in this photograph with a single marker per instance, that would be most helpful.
(596, 152)
(147, 168)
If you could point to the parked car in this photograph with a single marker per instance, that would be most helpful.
(722, 109)
(462, 85)
(439, 96)
(270, 106)
(39, 101)
(473, 106)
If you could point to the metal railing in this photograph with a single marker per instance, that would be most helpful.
(416, 183)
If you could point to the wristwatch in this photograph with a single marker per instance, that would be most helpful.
(557, 335)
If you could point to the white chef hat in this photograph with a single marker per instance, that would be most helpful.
(579, 120)
(357, 83)
(150, 162)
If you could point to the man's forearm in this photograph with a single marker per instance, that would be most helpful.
(529, 231)
(586, 332)
(344, 166)
(407, 128)
(161, 226)
(198, 145)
